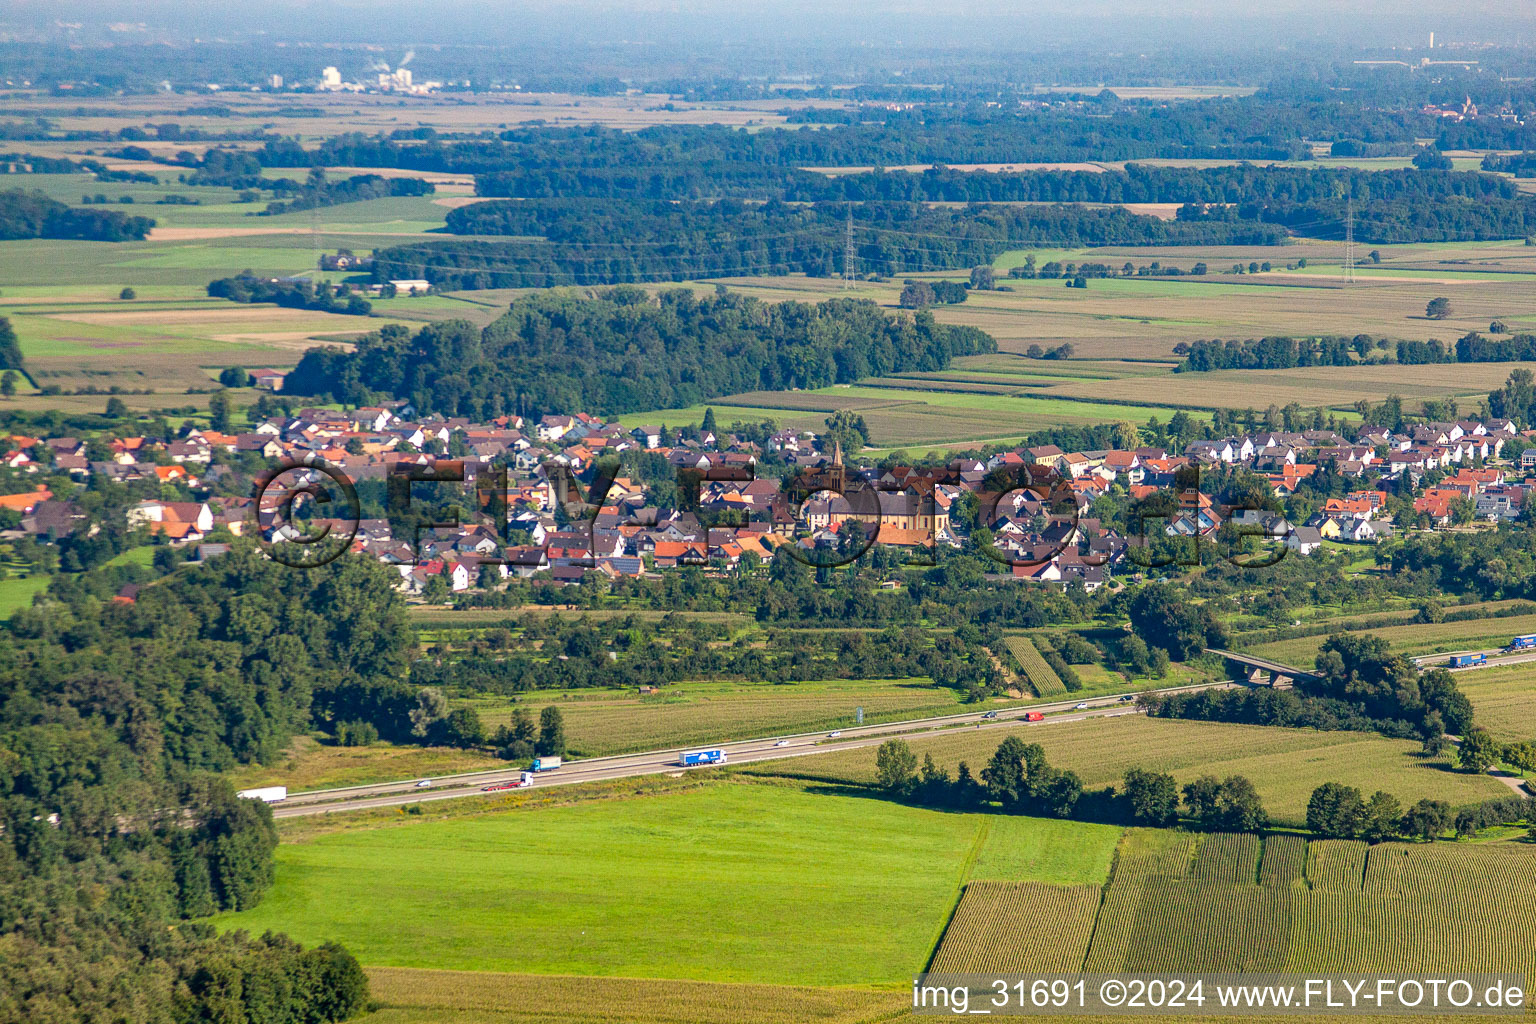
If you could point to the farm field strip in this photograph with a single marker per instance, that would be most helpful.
(409, 995)
(1284, 764)
(1019, 927)
(1329, 387)
(1352, 909)
(1414, 640)
(830, 890)
(1036, 669)
(686, 714)
(1503, 700)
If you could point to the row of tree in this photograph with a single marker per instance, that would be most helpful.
(1270, 353)
(1019, 779)
(1337, 811)
(292, 294)
(317, 191)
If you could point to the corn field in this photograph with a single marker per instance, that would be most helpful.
(1018, 927)
(1041, 676)
(1177, 902)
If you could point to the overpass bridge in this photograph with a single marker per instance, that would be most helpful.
(1263, 671)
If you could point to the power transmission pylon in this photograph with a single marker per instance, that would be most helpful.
(1349, 240)
(848, 256)
(314, 241)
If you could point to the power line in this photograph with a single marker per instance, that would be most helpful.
(848, 252)
(1349, 240)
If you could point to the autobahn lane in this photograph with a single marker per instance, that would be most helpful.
(391, 794)
(1497, 657)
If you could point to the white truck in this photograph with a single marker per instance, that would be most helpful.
(266, 794)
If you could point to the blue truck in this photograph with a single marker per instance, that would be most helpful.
(1522, 643)
(1468, 660)
(692, 758)
(545, 764)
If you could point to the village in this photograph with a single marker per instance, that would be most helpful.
(732, 501)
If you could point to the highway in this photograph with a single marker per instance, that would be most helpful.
(1496, 657)
(659, 762)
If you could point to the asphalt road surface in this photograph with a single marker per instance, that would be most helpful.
(1496, 657)
(658, 762)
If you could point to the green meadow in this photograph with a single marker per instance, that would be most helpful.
(732, 882)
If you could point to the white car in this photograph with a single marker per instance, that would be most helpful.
(782, 743)
(834, 734)
(424, 784)
(1082, 707)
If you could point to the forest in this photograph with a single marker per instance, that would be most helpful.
(1102, 127)
(117, 713)
(685, 241)
(26, 214)
(621, 351)
(1136, 183)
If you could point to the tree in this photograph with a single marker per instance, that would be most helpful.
(127, 294)
(1056, 792)
(982, 279)
(1429, 158)
(895, 765)
(431, 708)
(8, 384)
(437, 589)
(463, 728)
(551, 741)
(219, 412)
(933, 782)
(518, 742)
(116, 409)
(1202, 797)
(1426, 819)
(1336, 810)
(1375, 255)
(1126, 435)
(10, 348)
(709, 426)
(356, 733)
(1179, 626)
(1240, 809)
(1438, 308)
(1479, 751)
(1229, 805)
(967, 791)
(847, 428)
(1006, 776)
(915, 295)
(1383, 815)
(1152, 798)
(338, 988)
(235, 377)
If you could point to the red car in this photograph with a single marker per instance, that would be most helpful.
(493, 787)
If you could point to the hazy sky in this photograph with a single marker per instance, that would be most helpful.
(1018, 24)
